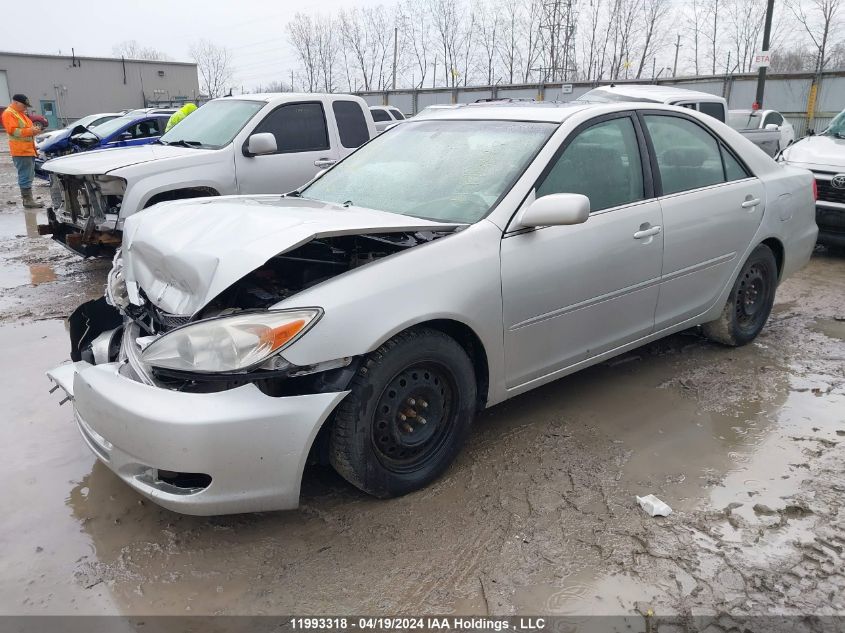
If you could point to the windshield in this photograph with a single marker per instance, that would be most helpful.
(597, 95)
(88, 120)
(744, 120)
(214, 125)
(453, 171)
(837, 126)
(110, 127)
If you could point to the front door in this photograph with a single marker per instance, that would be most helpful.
(303, 147)
(48, 109)
(573, 292)
(712, 206)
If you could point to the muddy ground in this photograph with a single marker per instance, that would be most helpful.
(537, 515)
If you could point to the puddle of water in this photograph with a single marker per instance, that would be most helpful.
(15, 223)
(831, 328)
(13, 275)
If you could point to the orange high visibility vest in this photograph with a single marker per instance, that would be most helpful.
(16, 125)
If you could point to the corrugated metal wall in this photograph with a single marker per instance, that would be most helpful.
(787, 93)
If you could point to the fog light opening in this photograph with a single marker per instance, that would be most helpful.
(186, 481)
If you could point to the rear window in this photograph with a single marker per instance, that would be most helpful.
(716, 110)
(350, 123)
(380, 115)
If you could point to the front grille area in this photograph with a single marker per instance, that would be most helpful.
(829, 193)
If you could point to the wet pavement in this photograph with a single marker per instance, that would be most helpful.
(536, 516)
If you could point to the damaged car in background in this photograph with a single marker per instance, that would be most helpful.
(362, 321)
(262, 143)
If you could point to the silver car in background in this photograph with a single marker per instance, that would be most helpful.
(364, 320)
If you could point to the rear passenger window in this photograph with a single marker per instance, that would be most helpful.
(687, 156)
(397, 115)
(350, 123)
(298, 127)
(602, 163)
(716, 110)
(380, 115)
(733, 169)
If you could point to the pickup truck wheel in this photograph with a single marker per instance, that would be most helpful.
(409, 411)
(749, 303)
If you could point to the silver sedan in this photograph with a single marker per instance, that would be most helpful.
(444, 267)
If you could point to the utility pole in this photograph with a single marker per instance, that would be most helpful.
(395, 53)
(677, 48)
(761, 75)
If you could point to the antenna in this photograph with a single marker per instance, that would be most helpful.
(559, 19)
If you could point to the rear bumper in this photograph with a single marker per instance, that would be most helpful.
(252, 446)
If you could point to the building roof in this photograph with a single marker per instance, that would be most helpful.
(99, 59)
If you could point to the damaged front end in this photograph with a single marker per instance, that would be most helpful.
(85, 213)
(117, 329)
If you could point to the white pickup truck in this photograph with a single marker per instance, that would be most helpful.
(250, 144)
(767, 139)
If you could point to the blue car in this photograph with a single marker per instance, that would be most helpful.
(124, 131)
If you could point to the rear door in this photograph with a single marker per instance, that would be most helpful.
(138, 133)
(303, 143)
(712, 206)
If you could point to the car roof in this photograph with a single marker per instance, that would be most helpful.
(658, 93)
(289, 96)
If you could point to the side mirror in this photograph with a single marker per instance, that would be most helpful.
(261, 143)
(126, 136)
(772, 126)
(557, 209)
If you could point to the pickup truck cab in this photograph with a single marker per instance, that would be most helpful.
(259, 143)
(761, 123)
(824, 155)
(706, 103)
(385, 116)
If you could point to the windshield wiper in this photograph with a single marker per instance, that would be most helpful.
(182, 143)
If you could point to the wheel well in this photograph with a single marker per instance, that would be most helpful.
(181, 194)
(468, 339)
(777, 249)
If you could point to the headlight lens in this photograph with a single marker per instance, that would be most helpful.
(229, 344)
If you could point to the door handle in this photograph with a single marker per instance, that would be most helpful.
(647, 232)
(324, 162)
(748, 204)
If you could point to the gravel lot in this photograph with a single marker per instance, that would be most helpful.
(537, 515)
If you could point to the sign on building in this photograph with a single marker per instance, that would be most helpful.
(566, 89)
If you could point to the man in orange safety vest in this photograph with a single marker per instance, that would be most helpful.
(22, 133)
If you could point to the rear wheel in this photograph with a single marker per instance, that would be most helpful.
(409, 411)
(749, 302)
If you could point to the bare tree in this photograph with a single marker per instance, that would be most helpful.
(131, 49)
(415, 23)
(820, 19)
(489, 28)
(695, 19)
(214, 64)
(654, 14)
(304, 40)
(746, 20)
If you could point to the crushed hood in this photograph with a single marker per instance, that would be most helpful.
(822, 151)
(183, 254)
(104, 161)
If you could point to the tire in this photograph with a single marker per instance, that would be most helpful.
(409, 411)
(749, 302)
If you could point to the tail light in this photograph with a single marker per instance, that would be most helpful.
(815, 189)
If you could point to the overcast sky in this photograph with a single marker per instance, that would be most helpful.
(254, 30)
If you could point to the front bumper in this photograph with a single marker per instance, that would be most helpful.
(830, 218)
(252, 446)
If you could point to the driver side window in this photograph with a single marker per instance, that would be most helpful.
(602, 163)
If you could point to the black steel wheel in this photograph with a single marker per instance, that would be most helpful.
(749, 303)
(409, 411)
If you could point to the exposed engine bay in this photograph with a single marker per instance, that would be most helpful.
(282, 276)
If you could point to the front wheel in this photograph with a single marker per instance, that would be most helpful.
(409, 411)
(749, 302)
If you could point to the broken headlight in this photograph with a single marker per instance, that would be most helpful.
(116, 293)
(230, 343)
